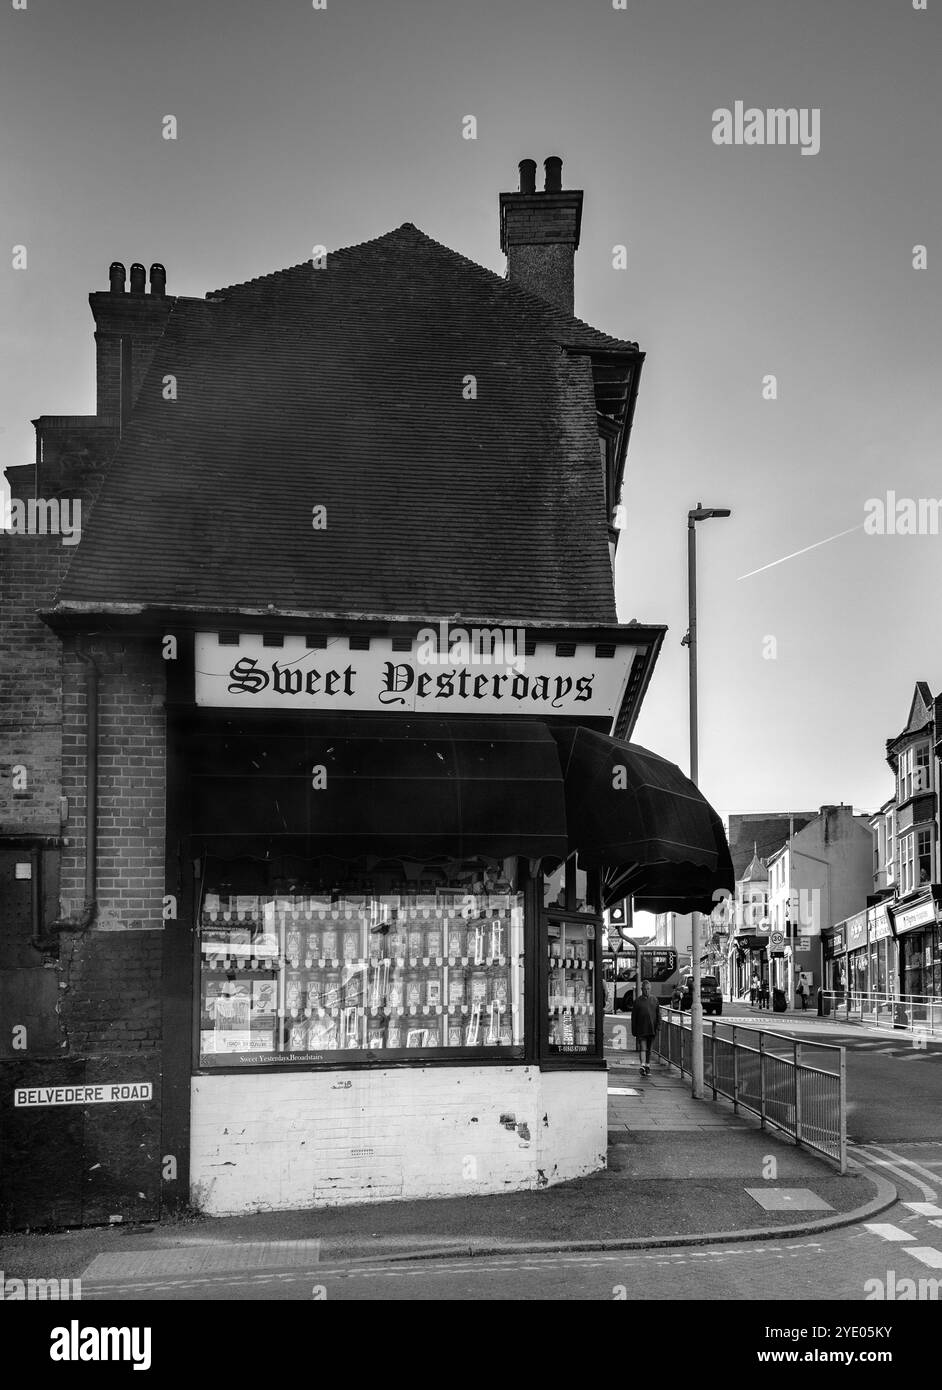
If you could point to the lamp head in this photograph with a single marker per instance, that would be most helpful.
(701, 513)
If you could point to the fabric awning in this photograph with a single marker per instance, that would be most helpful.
(436, 790)
(420, 790)
(637, 817)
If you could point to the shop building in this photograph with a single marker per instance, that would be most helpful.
(748, 950)
(317, 779)
(913, 758)
(819, 877)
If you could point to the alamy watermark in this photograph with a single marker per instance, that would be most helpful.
(902, 1289)
(780, 125)
(463, 646)
(902, 516)
(38, 1290)
(43, 516)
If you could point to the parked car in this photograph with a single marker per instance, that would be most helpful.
(711, 997)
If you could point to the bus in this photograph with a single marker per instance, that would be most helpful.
(662, 965)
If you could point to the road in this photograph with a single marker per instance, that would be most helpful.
(895, 1098)
(852, 1263)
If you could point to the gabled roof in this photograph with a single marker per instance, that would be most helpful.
(345, 389)
(921, 713)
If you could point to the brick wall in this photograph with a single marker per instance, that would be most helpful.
(132, 757)
(296, 1140)
(30, 683)
(64, 1165)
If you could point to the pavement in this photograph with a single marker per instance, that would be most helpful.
(680, 1172)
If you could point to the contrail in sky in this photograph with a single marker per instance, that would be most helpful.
(804, 551)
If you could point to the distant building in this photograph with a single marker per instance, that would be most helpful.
(819, 876)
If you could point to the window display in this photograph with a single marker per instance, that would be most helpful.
(302, 977)
(571, 1013)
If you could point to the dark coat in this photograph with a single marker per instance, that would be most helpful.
(645, 1017)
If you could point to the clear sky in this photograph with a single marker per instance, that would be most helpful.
(299, 126)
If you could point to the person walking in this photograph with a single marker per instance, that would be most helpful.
(754, 990)
(764, 994)
(803, 995)
(645, 1021)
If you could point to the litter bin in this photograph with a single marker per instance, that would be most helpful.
(900, 1015)
(778, 1001)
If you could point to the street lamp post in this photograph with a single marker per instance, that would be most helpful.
(699, 513)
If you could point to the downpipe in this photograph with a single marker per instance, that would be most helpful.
(83, 918)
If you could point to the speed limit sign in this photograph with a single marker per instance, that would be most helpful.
(777, 940)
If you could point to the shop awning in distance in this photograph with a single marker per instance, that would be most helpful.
(385, 787)
(639, 819)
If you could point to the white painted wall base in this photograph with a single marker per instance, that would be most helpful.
(294, 1140)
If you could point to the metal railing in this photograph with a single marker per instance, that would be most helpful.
(767, 1073)
(918, 1013)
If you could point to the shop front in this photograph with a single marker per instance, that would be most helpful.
(834, 951)
(883, 970)
(918, 942)
(858, 958)
(396, 970)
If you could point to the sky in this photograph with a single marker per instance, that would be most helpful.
(299, 126)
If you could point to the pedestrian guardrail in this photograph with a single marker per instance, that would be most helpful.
(769, 1075)
(918, 1013)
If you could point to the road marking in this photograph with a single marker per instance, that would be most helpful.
(870, 1160)
(906, 1163)
(926, 1255)
(887, 1231)
(924, 1208)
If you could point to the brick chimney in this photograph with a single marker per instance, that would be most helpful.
(539, 233)
(128, 326)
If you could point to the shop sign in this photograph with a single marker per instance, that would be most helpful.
(482, 679)
(879, 923)
(856, 931)
(836, 943)
(108, 1094)
(915, 917)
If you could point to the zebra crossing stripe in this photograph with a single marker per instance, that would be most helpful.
(926, 1255)
(887, 1231)
(924, 1208)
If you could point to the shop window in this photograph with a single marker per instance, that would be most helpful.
(356, 975)
(571, 1017)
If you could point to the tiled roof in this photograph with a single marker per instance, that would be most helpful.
(342, 388)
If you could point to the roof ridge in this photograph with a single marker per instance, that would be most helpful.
(300, 265)
(528, 298)
(558, 318)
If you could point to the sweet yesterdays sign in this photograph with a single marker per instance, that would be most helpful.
(434, 678)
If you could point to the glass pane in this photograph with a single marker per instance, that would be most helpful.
(554, 888)
(571, 986)
(301, 978)
(588, 891)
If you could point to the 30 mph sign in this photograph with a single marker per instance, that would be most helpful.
(777, 940)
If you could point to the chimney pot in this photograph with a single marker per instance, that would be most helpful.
(158, 280)
(554, 174)
(116, 276)
(138, 278)
(527, 176)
